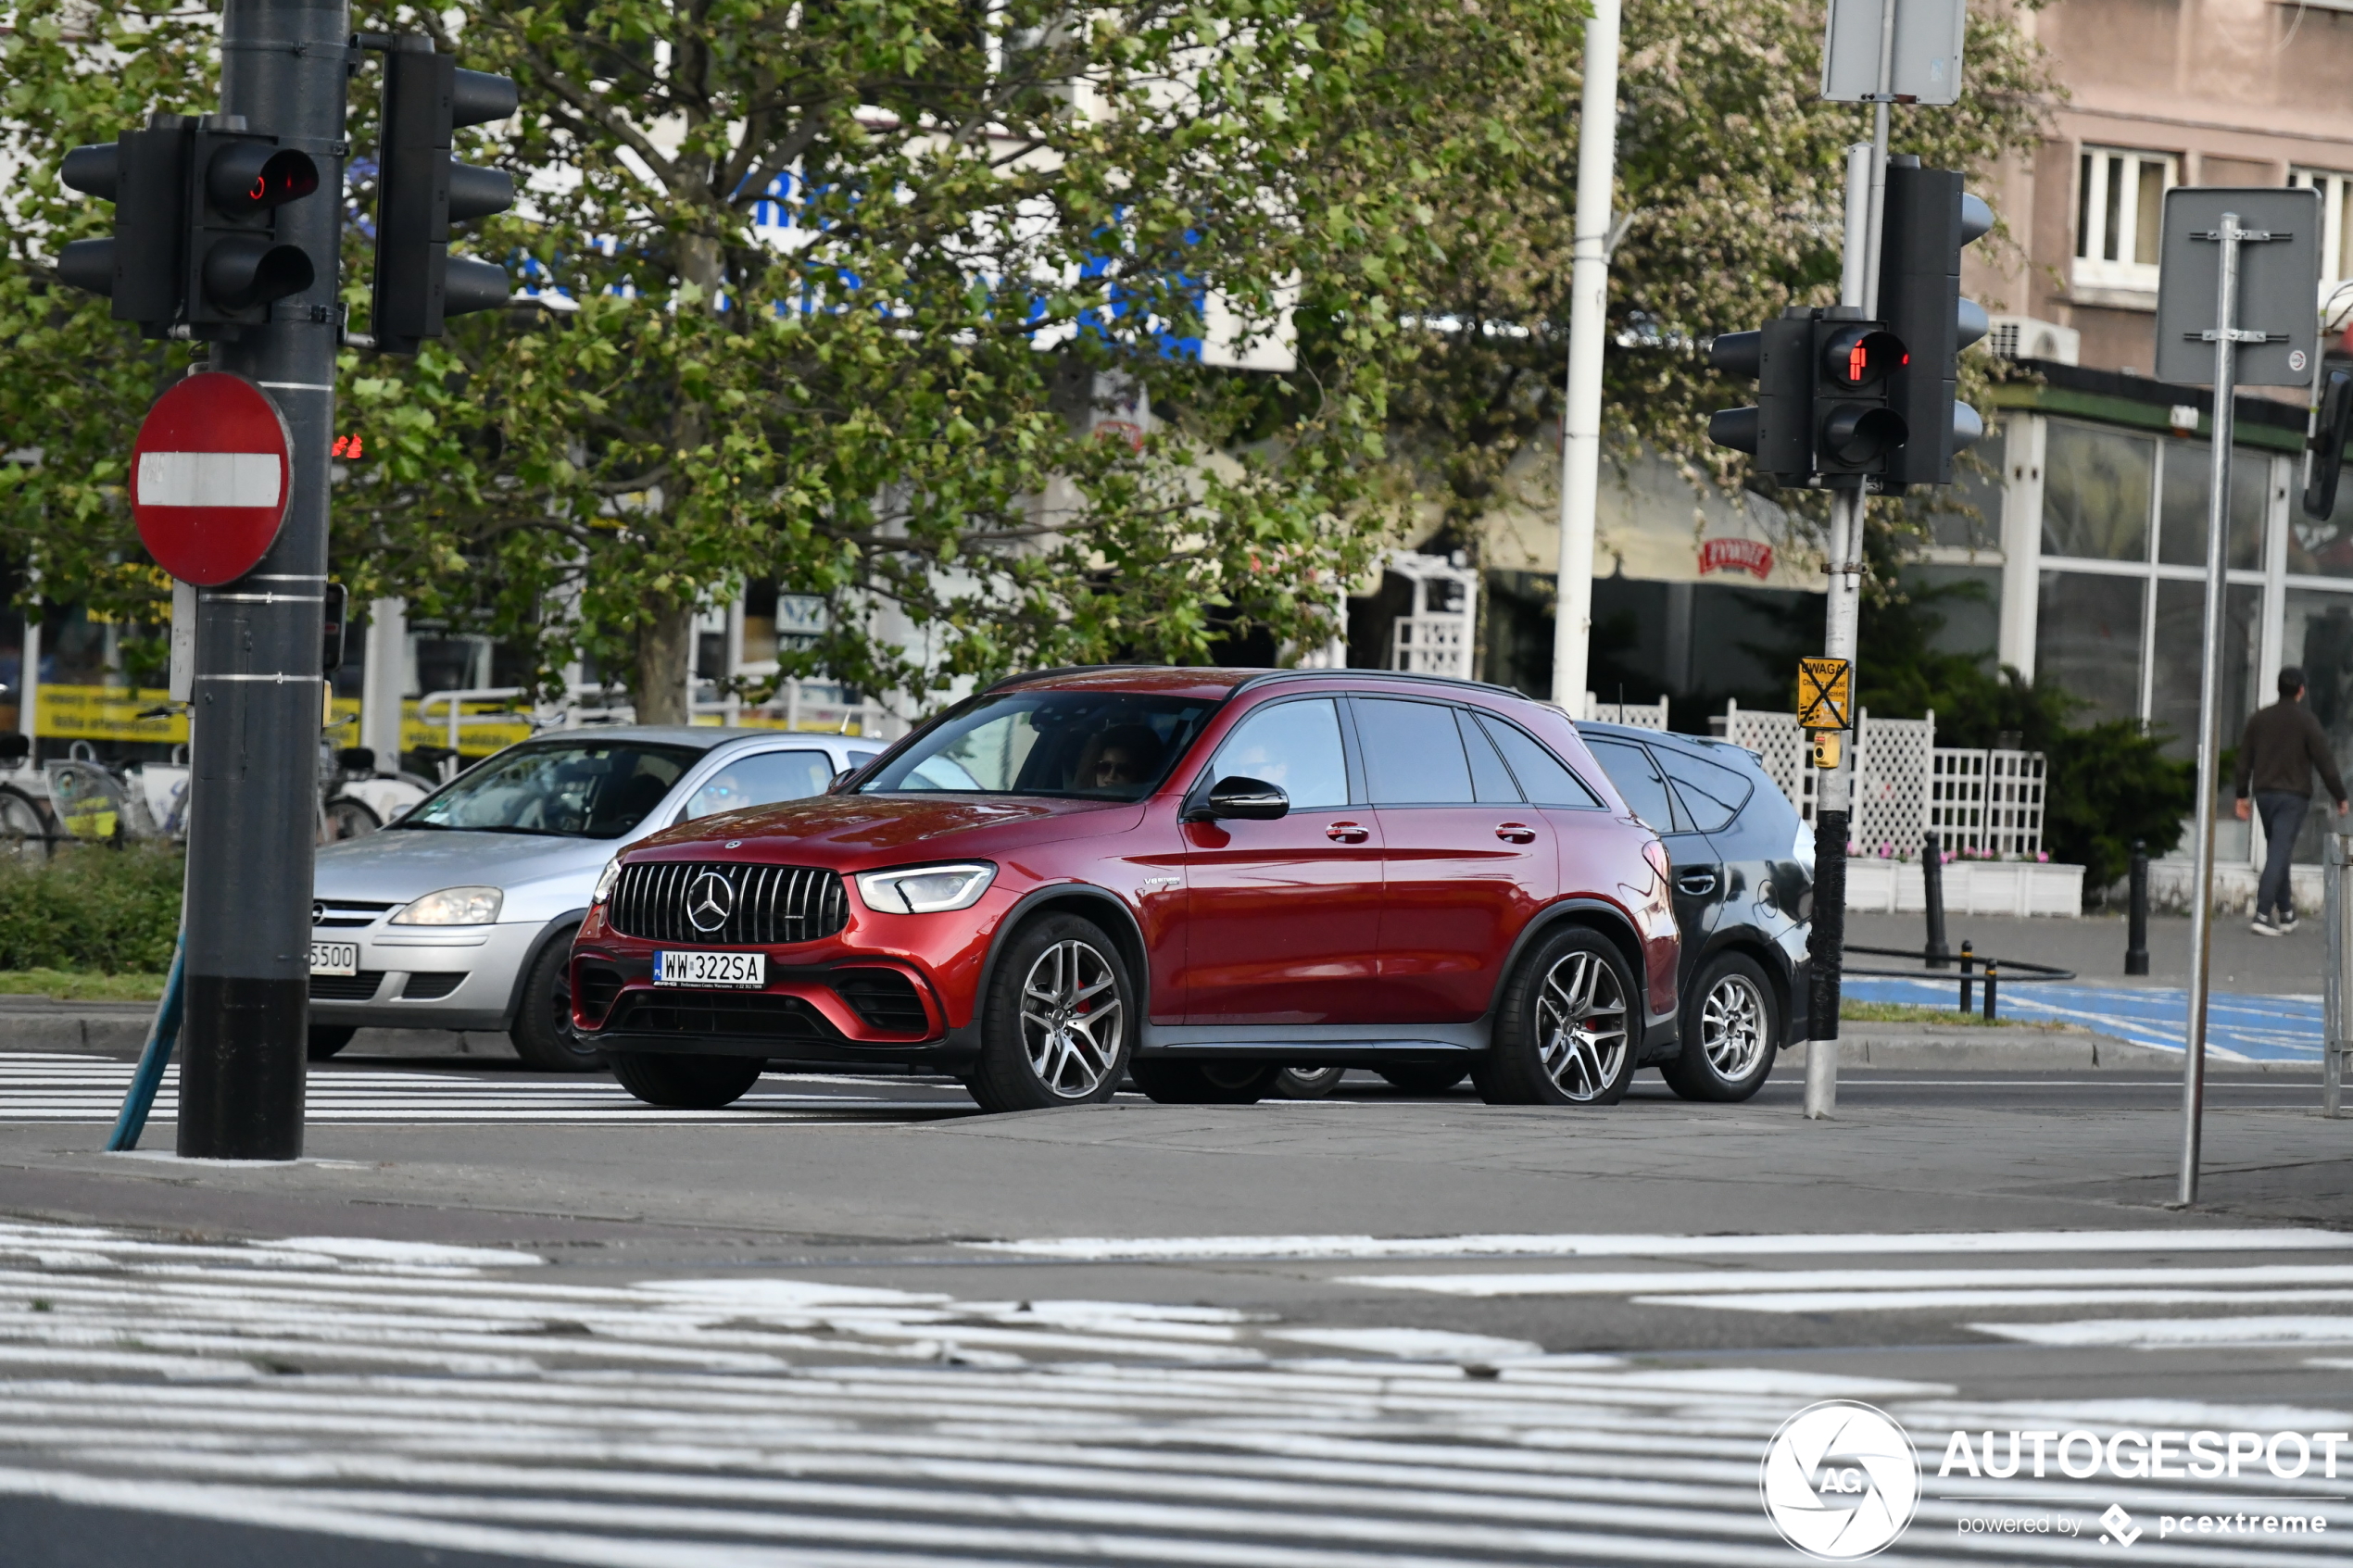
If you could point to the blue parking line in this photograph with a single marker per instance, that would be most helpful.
(2237, 1026)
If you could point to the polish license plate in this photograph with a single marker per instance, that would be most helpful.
(334, 958)
(746, 970)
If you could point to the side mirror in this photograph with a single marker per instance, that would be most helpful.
(1248, 799)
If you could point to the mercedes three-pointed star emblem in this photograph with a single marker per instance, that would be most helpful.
(710, 898)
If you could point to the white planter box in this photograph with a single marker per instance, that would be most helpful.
(1972, 888)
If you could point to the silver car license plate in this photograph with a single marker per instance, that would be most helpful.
(334, 958)
(743, 971)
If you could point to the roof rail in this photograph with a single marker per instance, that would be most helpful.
(1261, 677)
(1023, 677)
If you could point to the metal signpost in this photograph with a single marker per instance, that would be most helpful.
(2337, 856)
(2230, 255)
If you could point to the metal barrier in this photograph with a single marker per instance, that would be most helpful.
(1996, 970)
(2337, 871)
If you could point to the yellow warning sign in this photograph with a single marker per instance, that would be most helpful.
(1822, 688)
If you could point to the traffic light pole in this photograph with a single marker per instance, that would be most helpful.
(257, 701)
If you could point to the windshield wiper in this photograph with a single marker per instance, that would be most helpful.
(477, 827)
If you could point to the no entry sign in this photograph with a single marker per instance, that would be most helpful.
(209, 478)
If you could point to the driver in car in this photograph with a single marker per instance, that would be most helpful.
(1122, 758)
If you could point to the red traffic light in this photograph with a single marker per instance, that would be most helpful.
(1861, 357)
(247, 177)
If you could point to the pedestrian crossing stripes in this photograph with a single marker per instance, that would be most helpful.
(471, 1399)
(36, 1087)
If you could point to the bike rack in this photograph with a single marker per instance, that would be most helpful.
(1996, 970)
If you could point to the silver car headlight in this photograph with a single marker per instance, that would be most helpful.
(925, 890)
(605, 879)
(453, 906)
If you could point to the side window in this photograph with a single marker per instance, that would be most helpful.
(1413, 753)
(1490, 781)
(1630, 768)
(1293, 745)
(1544, 778)
(762, 779)
(1710, 794)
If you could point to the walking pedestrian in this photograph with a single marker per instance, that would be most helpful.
(2281, 746)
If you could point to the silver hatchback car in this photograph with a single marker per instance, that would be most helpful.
(459, 915)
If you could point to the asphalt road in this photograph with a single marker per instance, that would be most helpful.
(501, 1317)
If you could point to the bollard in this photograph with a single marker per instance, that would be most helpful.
(1932, 884)
(2136, 923)
(1968, 963)
(1992, 978)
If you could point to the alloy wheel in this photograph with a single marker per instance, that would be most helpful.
(1070, 1018)
(1731, 1027)
(1580, 1026)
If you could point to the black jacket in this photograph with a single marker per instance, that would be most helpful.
(2283, 743)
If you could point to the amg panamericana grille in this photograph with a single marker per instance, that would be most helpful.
(727, 903)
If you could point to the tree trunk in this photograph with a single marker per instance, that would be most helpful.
(665, 649)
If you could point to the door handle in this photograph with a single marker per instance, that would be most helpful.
(1346, 833)
(1515, 833)
(1697, 883)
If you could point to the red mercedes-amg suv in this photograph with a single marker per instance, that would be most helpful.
(1191, 877)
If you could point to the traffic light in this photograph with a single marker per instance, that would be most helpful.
(1857, 430)
(145, 175)
(1779, 355)
(236, 264)
(1821, 399)
(421, 191)
(2330, 433)
(1928, 218)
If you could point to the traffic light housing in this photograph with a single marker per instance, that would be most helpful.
(1822, 410)
(420, 190)
(1928, 218)
(237, 266)
(145, 175)
(2331, 431)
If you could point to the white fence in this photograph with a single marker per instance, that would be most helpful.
(1988, 802)
(813, 706)
(1638, 715)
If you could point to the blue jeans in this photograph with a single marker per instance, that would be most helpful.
(2283, 817)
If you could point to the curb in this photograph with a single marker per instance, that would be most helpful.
(2026, 1049)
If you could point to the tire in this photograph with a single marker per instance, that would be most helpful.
(345, 818)
(1057, 1021)
(543, 1031)
(24, 826)
(1565, 1033)
(326, 1039)
(686, 1082)
(1206, 1083)
(1425, 1078)
(1731, 1032)
(1305, 1083)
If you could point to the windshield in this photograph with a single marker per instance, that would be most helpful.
(567, 789)
(1111, 746)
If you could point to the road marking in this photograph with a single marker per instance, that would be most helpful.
(2158, 1333)
(1859, 1281)
(1097, 1249)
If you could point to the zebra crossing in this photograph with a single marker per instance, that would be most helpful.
(477, 1400)
(55, 1087)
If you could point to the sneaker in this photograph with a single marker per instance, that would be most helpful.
(2286, 923)
(2262, 927)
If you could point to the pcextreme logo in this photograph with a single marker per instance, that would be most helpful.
(1840, 1481)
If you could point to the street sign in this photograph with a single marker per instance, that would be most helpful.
(1822, 689)
(1927, 63)
(210, 477)
(2279, 283)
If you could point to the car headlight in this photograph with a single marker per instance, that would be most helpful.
(605, 879)
(925, 890)
(453, 906)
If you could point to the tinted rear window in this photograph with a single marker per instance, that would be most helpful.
(1710, 793)
(1413, 753)
(1544, 778)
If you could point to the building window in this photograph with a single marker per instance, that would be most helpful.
(2336, 191)
(2119, 211)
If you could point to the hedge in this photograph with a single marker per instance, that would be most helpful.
(91, 906)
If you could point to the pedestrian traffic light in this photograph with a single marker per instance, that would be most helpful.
(1856, 430)
(145, 175)
(1779, 355)
(421, 191)
(236, 264)
(1928, 218)
(2330, 433)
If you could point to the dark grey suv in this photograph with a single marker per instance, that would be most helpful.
(1743, 880)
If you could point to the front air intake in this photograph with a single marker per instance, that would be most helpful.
(727, 903)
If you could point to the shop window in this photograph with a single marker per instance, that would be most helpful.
(2321, 547)
(2336, 206)
(2176, 665)
(2119, 213)
(2096, 492)
(2087, 639)
(2317, 634)
(2180, 529)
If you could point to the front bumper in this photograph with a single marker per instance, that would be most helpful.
(463, 977)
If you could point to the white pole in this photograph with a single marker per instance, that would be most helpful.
(1588, 327)
(29, 682)
(2209, 707)
(384, 680)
